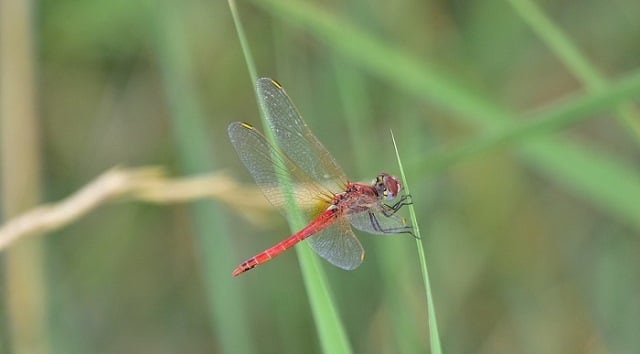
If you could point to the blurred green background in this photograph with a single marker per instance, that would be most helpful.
(531, 229)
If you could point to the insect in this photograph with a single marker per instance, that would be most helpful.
(331, 203)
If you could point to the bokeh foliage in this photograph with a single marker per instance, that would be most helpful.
(515, 121)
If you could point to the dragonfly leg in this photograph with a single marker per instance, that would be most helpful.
(407, 229)
(405, 200)
(389, 210)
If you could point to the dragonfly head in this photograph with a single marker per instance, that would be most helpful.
(387, 186)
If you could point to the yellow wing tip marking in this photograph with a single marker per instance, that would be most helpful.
(362, 257)
(276, 84)
(247, 125)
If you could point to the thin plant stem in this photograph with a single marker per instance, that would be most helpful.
(434, 335)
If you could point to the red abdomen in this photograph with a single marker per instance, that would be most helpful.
(323, 220)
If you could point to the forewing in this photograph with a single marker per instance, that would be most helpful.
(295, 139)
(338, 245)
(269, 168)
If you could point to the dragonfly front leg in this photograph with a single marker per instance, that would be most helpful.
(389, 210)
(375, 223)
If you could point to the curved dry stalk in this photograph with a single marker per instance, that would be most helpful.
(147, 184)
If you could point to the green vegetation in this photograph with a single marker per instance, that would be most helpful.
(516, 122)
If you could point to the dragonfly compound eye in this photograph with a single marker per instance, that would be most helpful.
(387, 186)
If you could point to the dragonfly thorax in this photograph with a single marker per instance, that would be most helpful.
(387, 186)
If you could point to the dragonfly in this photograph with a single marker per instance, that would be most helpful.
(331, 204)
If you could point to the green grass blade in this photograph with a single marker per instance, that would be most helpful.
(244, 43)
(541, 123)
(391, 64)
(409, 73)
(600, 178)
(226, 309)
(571, 56)
(558, 42)
(332, 335)
(434, 335)
(545, 155)
(331, 332)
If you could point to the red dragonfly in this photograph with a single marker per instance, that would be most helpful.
(318, 186)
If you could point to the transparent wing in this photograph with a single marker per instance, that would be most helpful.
(295, 139)
(338, 245)
(269, 168)
(380, 221)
